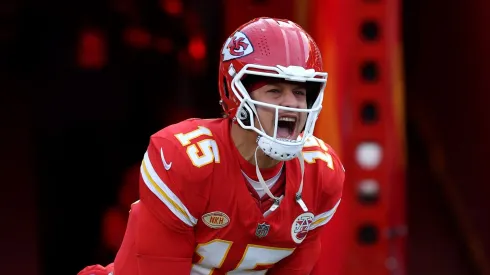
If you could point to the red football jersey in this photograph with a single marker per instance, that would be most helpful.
(197, 215)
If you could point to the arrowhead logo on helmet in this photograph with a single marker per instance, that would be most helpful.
(237, 46)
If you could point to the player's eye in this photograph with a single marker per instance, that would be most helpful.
(300, 92)
(274, 91)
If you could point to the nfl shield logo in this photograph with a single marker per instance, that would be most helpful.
(262, 230)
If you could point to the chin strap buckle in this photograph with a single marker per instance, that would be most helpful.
(301, 203)
(275, 205)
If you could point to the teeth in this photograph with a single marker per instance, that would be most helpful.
(289, 139)
(291, 119)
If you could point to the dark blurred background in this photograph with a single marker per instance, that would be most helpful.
(85, 83)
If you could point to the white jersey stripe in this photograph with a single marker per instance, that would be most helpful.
(161, 190)
(324, 218)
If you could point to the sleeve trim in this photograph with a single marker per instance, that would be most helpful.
(161, 190)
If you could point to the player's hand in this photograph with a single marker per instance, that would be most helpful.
(98, 270)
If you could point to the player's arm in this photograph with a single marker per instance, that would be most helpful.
(159, 235)
(306, 255)
(150, 246)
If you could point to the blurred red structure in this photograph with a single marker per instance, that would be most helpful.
(197, 48)
(92, 49)
(361, 45)
(137, 37)
(172, 7)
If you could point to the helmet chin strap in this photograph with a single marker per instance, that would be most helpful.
(278, 151)
(277, 200)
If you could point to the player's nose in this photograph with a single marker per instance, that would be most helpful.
(289, 99)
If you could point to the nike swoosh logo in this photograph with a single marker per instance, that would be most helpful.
(165, 164)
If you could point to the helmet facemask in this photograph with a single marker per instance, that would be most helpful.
(277, 144)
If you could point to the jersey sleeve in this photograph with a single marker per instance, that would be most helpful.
(332, 184)
(159, 235)
(170, 185)
(150, 246)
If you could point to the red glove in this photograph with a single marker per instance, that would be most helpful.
(98, 270)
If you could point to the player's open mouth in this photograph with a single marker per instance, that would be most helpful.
(286, 126)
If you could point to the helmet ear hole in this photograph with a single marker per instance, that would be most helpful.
(244, 116)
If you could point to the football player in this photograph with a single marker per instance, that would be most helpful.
(248, 193)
